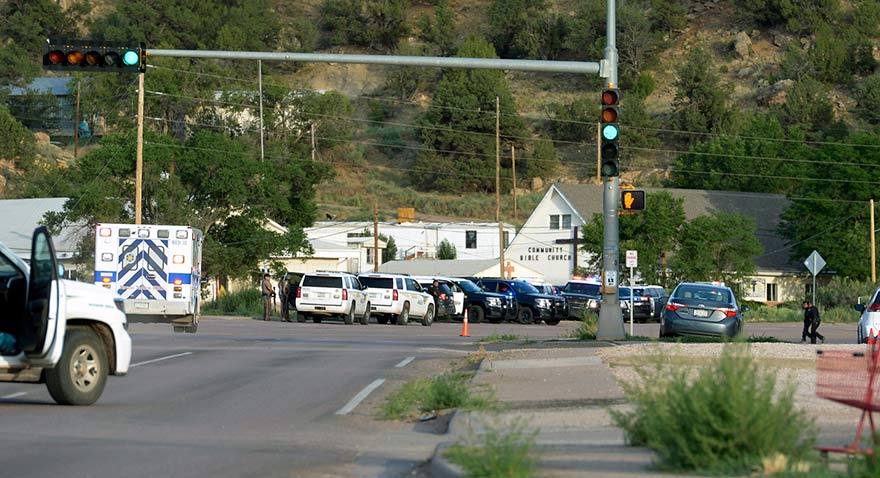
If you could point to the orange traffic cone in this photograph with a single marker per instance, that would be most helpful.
(871, 339)
(464, 326)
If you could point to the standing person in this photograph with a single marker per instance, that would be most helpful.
(268, 293)
(811, 323)
(283, 290)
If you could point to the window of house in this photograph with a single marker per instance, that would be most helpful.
(370, 255)
(771, 292)
(566, 221)
(554, 221)
(470, 239)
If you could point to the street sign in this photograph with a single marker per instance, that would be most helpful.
(632, 258)
(814, 263)
(610, 278)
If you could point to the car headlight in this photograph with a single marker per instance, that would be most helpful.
(542, 303)
(494, 301)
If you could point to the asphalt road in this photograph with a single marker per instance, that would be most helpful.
(248, 398)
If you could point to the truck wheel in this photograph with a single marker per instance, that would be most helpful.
(475, 314)
(81, 373)
(428, 319)
(349, 317)
(300, 317)
(365, 319)
(525, 315)
(403, 317)
(382, 319)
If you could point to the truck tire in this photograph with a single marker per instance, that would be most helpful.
(428, 319)
(81, 373)
(365, 319)
(349, 317)
(300, 317)
(403, 316)
(525, 315)
(475, 313)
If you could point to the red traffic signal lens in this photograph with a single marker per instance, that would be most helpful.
(56, 57)
(609, 115)
(93, 58)
(610, 97)
(75, 57)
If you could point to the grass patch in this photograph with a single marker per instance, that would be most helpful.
(449, 390)
(499, 338)
(834, 315)
(247, 302)
(497, 453)
(587, 328)
(723, 418)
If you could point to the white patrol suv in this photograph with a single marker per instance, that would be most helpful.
(70, 335)
(398, 297)
(322, 294)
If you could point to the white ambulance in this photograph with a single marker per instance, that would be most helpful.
(155, 268)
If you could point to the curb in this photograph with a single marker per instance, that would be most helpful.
(440, 467)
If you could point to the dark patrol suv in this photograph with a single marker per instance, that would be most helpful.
(582, 296)
(532, 305)
(481, 304)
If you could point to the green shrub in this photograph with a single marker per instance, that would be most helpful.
(497, 454)
(449, 390)
(843, 292)
(247, 302)
(588, 327)
(723, 418)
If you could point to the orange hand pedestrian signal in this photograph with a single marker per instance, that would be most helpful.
(633, 199)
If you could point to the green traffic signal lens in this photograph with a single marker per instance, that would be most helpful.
(130, 58)
(610, 168)
(610, 132)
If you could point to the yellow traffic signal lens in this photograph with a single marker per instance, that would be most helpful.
(609, 115)
(75, 57)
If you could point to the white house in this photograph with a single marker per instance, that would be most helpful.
(420, 239)
(460, 268)
(565, 208)
(22, 216)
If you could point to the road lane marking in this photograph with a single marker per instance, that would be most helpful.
(354, 402)
(404, 362)
(14, 395)
(160, 359)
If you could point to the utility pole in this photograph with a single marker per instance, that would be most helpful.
(260, 80)
(76, 125)
(873, 247)
(498, 187)
(313, 142)
(375, 236)
(139, 166)
(513, 162)
(611, 325)
(599, 151)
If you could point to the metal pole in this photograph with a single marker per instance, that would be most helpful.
(139, 166)
(313, 142)
(873, 247)
(610, 319)
(375, 236)
(598, 151)
(260, 75)
(513, 163)
(76, 124)
(631, 301)
(498, 186)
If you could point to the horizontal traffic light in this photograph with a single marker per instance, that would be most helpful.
(80, 55)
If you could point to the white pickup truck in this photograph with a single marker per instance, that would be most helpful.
(68, 335)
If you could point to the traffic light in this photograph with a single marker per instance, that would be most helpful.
(632, 199)
(610, 133)
(85, 55)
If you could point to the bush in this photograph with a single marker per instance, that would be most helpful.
(497, 455)
(843, 292)
(449, 390)
(247, 302)
(723, 418)
(588, 327)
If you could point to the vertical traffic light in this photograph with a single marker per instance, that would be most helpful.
(610, 133)
(79, 55)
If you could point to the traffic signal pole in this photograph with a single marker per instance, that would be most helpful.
(139, 160)
(610, 318)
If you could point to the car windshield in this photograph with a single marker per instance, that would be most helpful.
(696, 292)
(469, 286)
(578, 288)
(525, 288)
(377, 282)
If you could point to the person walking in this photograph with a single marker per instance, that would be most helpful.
(268, 293)
(811, 323)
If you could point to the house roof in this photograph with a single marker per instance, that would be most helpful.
(430, 267)
(57, 86)
(765, 209)
(22, 216)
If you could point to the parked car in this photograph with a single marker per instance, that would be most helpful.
(581, 296)
(444, 301)
(702, 309)
(640, 302)
(290, 281)
(482, 304)
(532, 305)
(329, 294)
(658, 298)
(454, 302)
(397, 298)
(869, 321)
(68, 335)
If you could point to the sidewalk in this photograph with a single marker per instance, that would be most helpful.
(563, 394)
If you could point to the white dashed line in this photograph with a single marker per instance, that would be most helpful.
(160, 359)
(14, 395)
(354, 402)
(404, 362)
